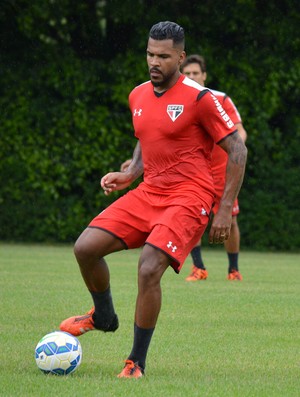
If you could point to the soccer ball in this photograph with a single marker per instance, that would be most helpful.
(58, 353)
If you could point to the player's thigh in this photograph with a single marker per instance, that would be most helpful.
(95, 242)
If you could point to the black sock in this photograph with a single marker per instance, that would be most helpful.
(141, 342)
(197, 258)
(233, 261)
(104, 308)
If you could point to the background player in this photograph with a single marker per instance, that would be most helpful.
(194, 67)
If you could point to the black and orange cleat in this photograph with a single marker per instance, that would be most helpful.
(197, 274)
(234, 275)
(79, 325)
(131, 370)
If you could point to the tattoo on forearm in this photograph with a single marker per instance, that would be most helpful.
(237, 150)
(237, 156)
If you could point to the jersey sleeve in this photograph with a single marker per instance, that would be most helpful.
(231, 110)
(131, 98)
(213, 117)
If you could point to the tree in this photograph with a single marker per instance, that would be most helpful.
(66, 70)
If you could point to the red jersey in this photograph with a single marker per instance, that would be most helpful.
(219, 156)
(177, 132)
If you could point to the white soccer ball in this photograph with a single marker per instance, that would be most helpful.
(58, 353)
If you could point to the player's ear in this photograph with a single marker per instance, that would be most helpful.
(182, 57)
(204, 76)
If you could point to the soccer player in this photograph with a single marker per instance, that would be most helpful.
(176, 122)
(194, 67)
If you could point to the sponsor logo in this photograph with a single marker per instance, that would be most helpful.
(222, 112)
(170, 245)
(137, 112)
(174, 111)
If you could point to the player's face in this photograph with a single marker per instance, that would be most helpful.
(164, 62)
(194, 72)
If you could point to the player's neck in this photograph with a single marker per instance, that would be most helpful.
(169, 84)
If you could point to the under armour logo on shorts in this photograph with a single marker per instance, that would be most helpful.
(170, 245)
(137, 112)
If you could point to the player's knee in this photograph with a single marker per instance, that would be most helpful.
(151, 267)
(82, 251)
(79, 251)
(147, 274)
(234, 223)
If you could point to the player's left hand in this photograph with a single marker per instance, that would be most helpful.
(220, 228)
(125, 165)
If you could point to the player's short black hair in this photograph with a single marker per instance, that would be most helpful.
(168, 30)
(195, 58)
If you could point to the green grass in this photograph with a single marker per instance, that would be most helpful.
(213, 338)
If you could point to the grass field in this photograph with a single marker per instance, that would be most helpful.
(213, 338)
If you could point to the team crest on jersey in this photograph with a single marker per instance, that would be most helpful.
(174, 111)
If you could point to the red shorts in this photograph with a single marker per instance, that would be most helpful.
(219, 188)
(170, 223)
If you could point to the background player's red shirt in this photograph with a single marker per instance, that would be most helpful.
(177, 132)
(219, 156)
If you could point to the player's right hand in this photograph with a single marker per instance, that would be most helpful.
(114, 181)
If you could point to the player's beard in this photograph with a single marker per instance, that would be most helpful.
(163, 82)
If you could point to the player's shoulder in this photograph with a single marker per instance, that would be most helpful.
(193, 88)
(142, 87)
(192, 85)
(224, 98)
(143, 90)
(228, 105)
(219, 94)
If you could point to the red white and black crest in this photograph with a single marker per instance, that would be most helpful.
(174, 111)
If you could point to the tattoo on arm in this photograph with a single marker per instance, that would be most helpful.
(237, 156)
(236, 150)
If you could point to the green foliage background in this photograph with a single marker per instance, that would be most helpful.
(66, 69)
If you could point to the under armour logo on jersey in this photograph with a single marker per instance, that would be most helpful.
(173, 247)
(174, 111)
(137, 112)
